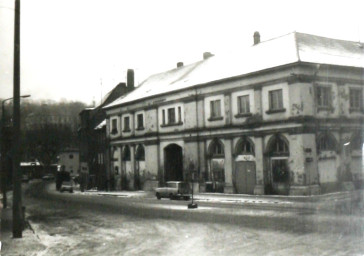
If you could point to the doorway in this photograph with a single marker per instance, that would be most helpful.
(173, 163)
(245, 177)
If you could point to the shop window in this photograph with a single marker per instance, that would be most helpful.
(245, 147)
(140, 154)
(326, 142)
(216, 148)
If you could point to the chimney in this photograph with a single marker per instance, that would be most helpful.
(130, 79)
(256, 37)
(179, 64)
(207, 55)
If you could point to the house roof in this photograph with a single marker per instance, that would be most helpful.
(291, 48)
(100, 125)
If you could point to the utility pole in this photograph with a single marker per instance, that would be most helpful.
(17, 197)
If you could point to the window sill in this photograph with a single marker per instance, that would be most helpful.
(211, 119)
(242, 115)
(114, 132)
(273, 111)
(174, 124)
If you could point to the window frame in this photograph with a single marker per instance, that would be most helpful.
(140, 121)
(279, 100)
(213, 115)
(114, 126)
(126, 123)
(326, 91)
(359, 93)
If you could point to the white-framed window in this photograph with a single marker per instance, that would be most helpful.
(356, 99)
(276, 100)
(215, 109)
(243, 104)
(140, 121)
(114, 126)
(126, 124)
(172, 115)
(323, 96)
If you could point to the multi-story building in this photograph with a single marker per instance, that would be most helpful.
(284, 116)
(92, 137)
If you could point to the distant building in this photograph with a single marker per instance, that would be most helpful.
(69, 161)
(92, 136)
(284, 116)
(37, 120)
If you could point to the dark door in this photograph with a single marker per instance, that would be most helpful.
(173, 164)
(245, 177)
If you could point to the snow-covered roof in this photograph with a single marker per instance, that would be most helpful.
(287, 49)
(100, 125)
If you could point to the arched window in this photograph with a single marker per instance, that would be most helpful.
(278, 146)
(326, 142)
(126, 154)
(140, 154)
(216, 148)
(244, 147)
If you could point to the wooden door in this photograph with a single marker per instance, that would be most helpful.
(245, 177)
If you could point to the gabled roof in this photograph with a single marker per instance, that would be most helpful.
(284, 50)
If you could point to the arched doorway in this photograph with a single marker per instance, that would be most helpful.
(278, 153)
(245, 175)
(173, 163)
(139, 166)
(126, 167)
(216, 166)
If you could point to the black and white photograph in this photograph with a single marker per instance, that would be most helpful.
(173, 128)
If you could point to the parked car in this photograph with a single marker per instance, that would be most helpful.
(67, 186)
(173, 190)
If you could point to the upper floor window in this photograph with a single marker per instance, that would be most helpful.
(140, 122)
(114, 128)
(323, 96)
(243, 104)
(215, 109)
(126, 124)
(275, 100)
(356, 99)
(172, 116)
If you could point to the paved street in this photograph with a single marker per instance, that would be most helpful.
(92, 224)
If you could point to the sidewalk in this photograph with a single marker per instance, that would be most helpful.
(13, 246)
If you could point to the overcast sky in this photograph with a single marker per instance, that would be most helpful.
(80, 49)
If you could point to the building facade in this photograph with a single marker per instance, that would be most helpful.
(92, 136)
(284, 116)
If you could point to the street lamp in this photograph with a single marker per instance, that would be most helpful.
(3, 151)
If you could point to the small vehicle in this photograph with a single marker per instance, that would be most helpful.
(173, 190)
(67, 186)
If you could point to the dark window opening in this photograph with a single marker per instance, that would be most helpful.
(140, 121)
(275, 100)
(243, 104)
(126, 124)
(356, 99)
(280, 171)
(171, 116)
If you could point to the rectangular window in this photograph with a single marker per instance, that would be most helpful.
(140, 121)
(114, 128)
(163, 116)
(323, 96)
(275, 100)
(243, 104)
(356, 99)
(126, 124)
(179, 115)
(171, 116)
(215, 108)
